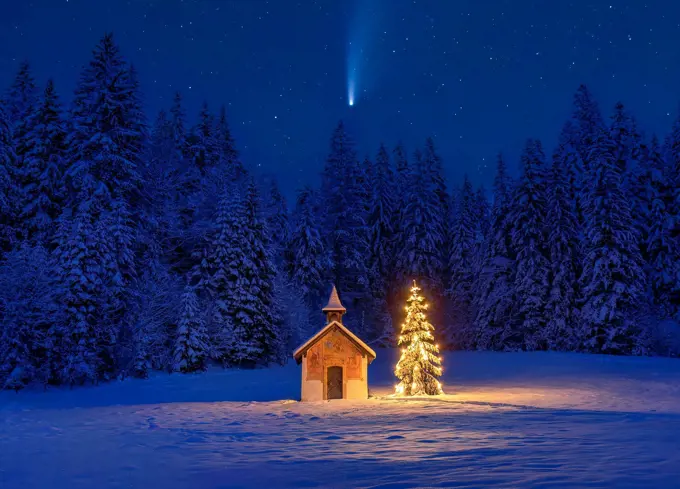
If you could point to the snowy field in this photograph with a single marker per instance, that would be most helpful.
(509, 420)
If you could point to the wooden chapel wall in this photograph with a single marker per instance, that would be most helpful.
(334, 349)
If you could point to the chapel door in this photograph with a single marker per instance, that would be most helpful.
(334, 383)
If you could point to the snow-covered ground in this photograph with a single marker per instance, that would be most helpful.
(509, 420)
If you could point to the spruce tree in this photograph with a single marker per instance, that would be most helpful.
(203, 144)
(43, 168)
(381, 217)
(229, 157)
(191, 343)
(19, 104)
(345, 193)
(8, 188)
(612, 282)
(419, 367)
(84, 332)
(238, 272)
(420, 254)
(105, 154)
(308, 260)
(588, 123)
(652, 204)
(494, 293)
(178, 128)
(528, 218)
(276, 217)
(562, 247)
(461, 266)
(25, 293)
(441, 206)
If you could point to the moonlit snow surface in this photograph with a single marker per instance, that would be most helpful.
(508, 420)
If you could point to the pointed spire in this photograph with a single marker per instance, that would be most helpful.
(334, 303)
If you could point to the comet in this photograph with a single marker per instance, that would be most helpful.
(361, 46)
(350, 92)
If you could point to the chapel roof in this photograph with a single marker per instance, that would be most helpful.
(300, 351)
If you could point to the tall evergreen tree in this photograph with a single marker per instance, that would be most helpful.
(612, 281)
(461, 266)
(240, 277)
(276, 218)
(402, 179)
(105, 153)
(43, 168)
(191, 343)
(381, 216)
(562, 247)
(308, 260)
(204, 147)
(420, 255)
(25, 294)
(528, 217)
(83, 333)
(588, 123)
(19, 104)
(229, 157)
(651, 210)
(441, 205)
(8, 188)
(344, 189)
(493, 291)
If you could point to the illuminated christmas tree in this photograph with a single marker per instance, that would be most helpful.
(420, 365)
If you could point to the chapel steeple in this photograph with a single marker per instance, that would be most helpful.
(334, 309)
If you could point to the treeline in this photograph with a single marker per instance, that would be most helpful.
(128, 246)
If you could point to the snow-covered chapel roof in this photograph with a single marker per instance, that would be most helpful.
(300, 351)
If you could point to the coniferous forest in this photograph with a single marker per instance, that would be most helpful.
(131, 243)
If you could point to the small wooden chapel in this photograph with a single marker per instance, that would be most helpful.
(334, 361)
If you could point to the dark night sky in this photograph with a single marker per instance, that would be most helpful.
(481, 76)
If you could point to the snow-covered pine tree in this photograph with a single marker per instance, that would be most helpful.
(8, 188)
(25, 292)
(613, 282)
(85, 336)
(191, 341)
(673, 151)
(461, 268)
(419, 367)
(266, 324)
(420, 249)
(104, 149)
(494, 293)
(276, 216)
(238, 272)
(308, 260)
(19, 104)
(43, 168)
(528, 220)
(588, 123)
(441, 206)
(178, 128)
(216, 276)
(381, 217)
(203, 145)
(482, 218)
(652, 202)
(571, 162)
(402, 179)
(345, 193)
(229, 157)
(559, 333)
